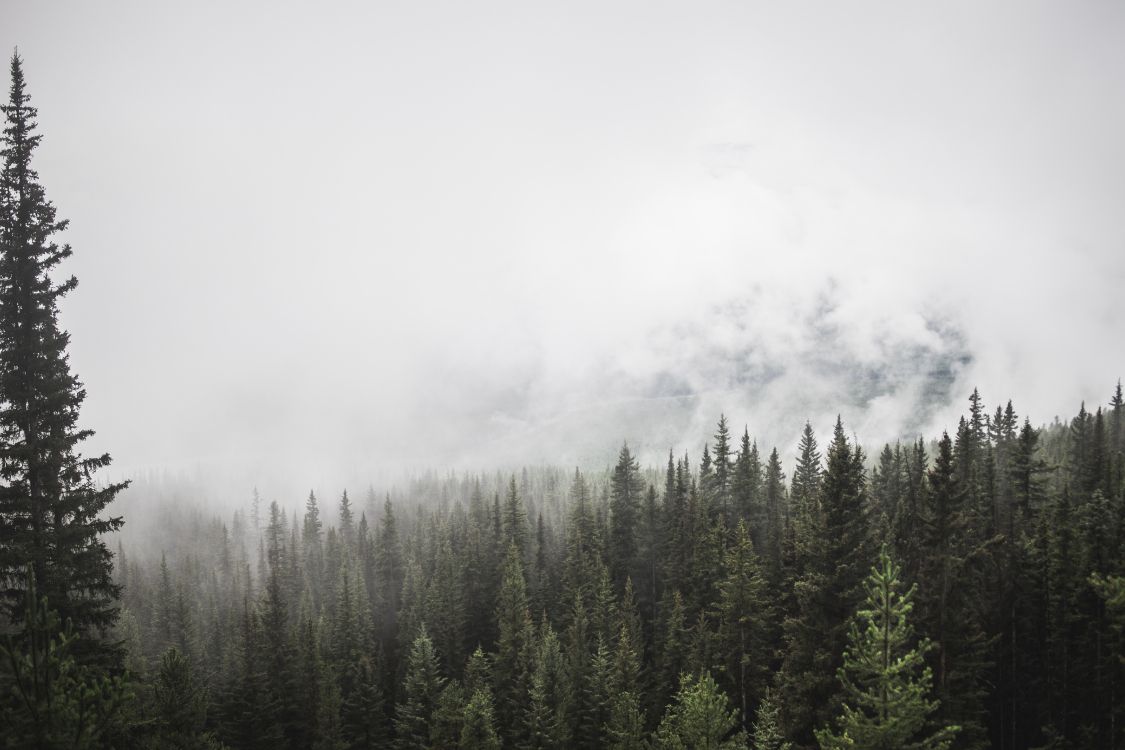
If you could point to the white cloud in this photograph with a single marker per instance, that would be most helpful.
(407, 234)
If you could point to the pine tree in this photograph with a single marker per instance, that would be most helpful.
(420, 692)
(310, 674)
(746, 488)
(50, 506)
(179, 707)
(582, 544)
(722, 467)
(775, 521)
(448, 717)
(767, 727)
(651, 552)
(1027, 470)
(630, 672)
(1117, 441)
(389, 570)
(546, 717)
(700, 718)
(48, 698)
(164, 609)
(478, 728)
(832, 539)
(948, 615)
(1063, 581)
(672, 649)
(884, 676)
(626, 727)
(676, 530)
(886, 493)
(363, 721)
(625, 695)
(273, 617)
(250, 707)
(312, 542)
(511, 666)
(742, 619)
(514, 520)
(347, 522)
(580, 708)
(806, 477)
(908, 520)
(445, 601)
(627, 489)
(600, 695)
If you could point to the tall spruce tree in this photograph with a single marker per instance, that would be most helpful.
(722, 468)
(515, 520)
(625, 510)
(50, 504)
(775, 515)
(767, 727)
(746, 486)
(833, 542)
(949, 616)
(48, 699)
(512, 663)
(700, 718)
(179, 707)
(886, 683)
(742, 613)
(420, 692)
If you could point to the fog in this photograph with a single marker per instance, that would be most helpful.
(321, 244)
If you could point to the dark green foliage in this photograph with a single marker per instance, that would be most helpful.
(775, 502)
(48, 698)
(767, 727)
(804, 495)
(580, 698)
(478, 727)
(742, 615)
(672, 649)
(420, 693)
(325, 647)
(514, 520)
(1015, 574)
(347, 522)
(448, 716)
(831, 541)
(363, 719)
(625, 729)
(886, 683)
(250, 707)
(50, 505)
(546, 716)
(389, 573)
(511, 667)
(625, 510)
(746, 489)
(719, 489)
(700, 718)
(948, 614)
(179, 708)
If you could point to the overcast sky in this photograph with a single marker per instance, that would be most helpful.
(317, 238)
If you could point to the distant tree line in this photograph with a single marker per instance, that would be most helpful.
(966, 594)
(962, 593)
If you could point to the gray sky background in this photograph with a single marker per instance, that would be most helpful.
(315, 239)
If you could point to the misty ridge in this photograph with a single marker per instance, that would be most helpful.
(617, 376)
(668, 403)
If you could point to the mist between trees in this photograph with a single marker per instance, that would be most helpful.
(962, 593)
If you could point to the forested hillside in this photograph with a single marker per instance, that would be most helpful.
(556, 608)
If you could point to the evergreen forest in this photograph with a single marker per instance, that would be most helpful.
(963, 590)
